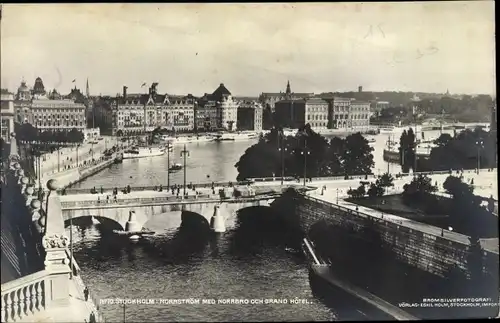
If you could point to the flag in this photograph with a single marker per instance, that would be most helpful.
(143, 84)
(73, 81)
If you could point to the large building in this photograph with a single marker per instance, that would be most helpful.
(217, 111)
(338, 111)
(140, 113)
(359, 113)
(249, 115)
(296, 113)
(7, 114)
(47, 111)
(268, 100)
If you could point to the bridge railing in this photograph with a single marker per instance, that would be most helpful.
(404, 222)
(360, 177)
(24, 297)
(138, 200)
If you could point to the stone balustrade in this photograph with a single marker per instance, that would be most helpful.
(24, 297)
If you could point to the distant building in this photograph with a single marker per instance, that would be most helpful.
(296, 113)
(103, 113)
(378, 106)
(141, 113)
(47, 111)
(249, 116)
(218, 110)
(359, 114)
(338, 111)
(7, 115)
(268, 100)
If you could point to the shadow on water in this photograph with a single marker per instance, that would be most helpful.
(260, 227)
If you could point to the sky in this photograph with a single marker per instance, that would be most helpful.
(251, 48)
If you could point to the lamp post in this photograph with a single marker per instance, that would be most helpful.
(92, 149)
(479, 144)
(184, 153)
(71, 246)
(282, 149)
(337, 195)
(305, 153)
(58, 157)
(77, 146)
(168, 146)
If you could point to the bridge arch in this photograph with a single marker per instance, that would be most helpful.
(84, 220)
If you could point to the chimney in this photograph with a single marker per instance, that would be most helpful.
(124, 92)
(360, 89)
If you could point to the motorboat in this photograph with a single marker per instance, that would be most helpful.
(237, 136)
(143, 152)
(175, 167)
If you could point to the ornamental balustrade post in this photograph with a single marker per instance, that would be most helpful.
(55, 243)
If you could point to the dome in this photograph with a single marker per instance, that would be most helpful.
(23, 87)
(39, 88)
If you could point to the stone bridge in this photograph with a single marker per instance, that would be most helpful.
(132, 214)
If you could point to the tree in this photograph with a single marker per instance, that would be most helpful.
(357, 157)
(75, 136)
(407, 150)
(443, 140)
(385, 180)
(26, 132)
(419, 186)
(358, 192)
(375, 190)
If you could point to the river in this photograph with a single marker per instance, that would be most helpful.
(207, 162)
(243, 263)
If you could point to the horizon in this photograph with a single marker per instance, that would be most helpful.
(383, 47)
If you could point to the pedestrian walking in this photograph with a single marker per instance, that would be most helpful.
(86, 293)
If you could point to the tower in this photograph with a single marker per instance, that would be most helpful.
(288, 90)
(87, 91)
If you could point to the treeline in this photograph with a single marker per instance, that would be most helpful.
(468, 149)
(306, 154)
(28, 134)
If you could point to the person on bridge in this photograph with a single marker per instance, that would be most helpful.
(86, 293)
(128, 189)
(161, 188)
(102, 190)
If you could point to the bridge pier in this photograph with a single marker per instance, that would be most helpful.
(217, 222)
(132, 225)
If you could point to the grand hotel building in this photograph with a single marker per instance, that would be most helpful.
(47, 111)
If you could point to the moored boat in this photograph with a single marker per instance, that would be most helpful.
(142, 152)
(175, 167)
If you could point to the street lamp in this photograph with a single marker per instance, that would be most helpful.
(305, 153)
(168, 146)
(71, 245)
(77, 146)
(337, 195)
(184, 153)
(282, 150)
(479, 144)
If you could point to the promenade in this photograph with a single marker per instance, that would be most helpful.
(66, 158)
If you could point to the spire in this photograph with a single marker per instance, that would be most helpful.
(87, 91)
(288, 91)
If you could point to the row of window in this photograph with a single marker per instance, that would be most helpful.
(72, 116)
(317, 117)
(65, 123)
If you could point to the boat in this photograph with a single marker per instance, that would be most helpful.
(175, 167)
(142, 152)
(229, 136)
(386, 129)
(186, 139)
(371, 141)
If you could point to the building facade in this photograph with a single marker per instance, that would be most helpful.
(7, 115)
(268, 99)
(338, 112)
(249, 116)
(359, 113)
(316, 110)
(47, 111)
(140, 113)
(217, 111)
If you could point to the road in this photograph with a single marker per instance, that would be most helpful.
(68, 156)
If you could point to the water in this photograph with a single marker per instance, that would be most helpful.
(177, 264)
(209, 161)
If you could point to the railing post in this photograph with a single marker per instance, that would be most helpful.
(55, 243)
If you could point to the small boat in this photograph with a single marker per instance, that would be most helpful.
(371, 141)
(175, 167)
(142, 152)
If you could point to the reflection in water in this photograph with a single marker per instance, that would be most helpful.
(248, 261)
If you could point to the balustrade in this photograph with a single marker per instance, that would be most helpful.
(23, 297)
